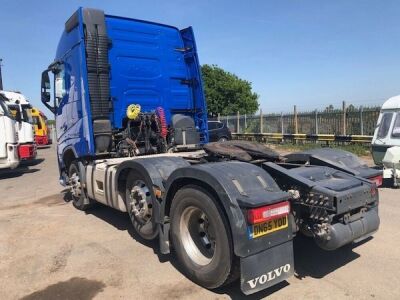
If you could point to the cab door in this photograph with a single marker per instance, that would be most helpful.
(61, 101)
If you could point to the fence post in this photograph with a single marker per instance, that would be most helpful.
(316, 122)
(237, 122)
(282, 126)
(344, 118)
(361, 120)
(227, 122)
(245, 123)
(219, 117)
(296, 128)
(261, 121)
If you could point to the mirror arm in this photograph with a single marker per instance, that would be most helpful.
(51, 108)
(53, 67)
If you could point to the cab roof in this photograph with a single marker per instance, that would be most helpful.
(12, 97)
(392, 103)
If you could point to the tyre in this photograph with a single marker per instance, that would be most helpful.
(201, 238)
(79, 198)
(139, 204)
(223, 139)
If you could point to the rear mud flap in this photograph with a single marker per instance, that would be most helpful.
(266, 268)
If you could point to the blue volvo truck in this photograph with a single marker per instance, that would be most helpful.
(131, 122)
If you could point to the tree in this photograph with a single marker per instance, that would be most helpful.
(329, 108)
(226, 93)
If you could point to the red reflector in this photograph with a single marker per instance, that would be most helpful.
(378, 180)
(26, 151)
(265, 213)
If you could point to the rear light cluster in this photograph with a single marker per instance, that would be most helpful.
(378, 180)
(266, 213)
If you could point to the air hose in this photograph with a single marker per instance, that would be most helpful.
(161, 116)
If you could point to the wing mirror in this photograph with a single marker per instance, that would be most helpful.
(46, 86)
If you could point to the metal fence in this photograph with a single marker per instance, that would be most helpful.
(347, 121)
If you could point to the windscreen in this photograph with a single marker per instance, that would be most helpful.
(385, 125)
(396, 127)
(14, 110)
(4, 109)
(27, 113)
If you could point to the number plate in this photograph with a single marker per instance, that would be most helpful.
(257, 230)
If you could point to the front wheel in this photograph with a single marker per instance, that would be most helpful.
(201, 238)
(79, 198)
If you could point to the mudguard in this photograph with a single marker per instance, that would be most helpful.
(335, 158)
(265, 260)
(238, 186)
(155, 171)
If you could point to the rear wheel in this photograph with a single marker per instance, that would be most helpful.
(201, 238)
(79, 198)
(139, 205)
(223, 139)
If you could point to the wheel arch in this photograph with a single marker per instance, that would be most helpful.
(236, 186)
(68, 156)
(155, 170)
(225, 198)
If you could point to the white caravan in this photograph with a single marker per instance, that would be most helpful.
(386, 140)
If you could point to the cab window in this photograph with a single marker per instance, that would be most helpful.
(27, 113)
(59, 85)
(4, 109)
(396, 127)
(385, 125)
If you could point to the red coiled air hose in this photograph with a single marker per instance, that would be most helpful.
(161, 116)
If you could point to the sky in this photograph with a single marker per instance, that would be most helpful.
(305, 53)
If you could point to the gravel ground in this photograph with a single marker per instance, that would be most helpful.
(49, 250)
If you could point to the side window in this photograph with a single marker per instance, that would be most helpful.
(396, 127)
(212, 125)
(59, 85)
(220, 125)
(385, 125)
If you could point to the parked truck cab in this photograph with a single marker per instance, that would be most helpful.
(42, 129)
(106, 65)
(21, 110)
(9, 157)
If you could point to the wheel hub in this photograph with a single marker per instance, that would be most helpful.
(140, 205)
(198, 235)
(76, 187)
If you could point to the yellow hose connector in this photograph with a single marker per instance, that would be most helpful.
(133, 111)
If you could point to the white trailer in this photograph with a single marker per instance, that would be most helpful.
(8, 138)
(386, 140)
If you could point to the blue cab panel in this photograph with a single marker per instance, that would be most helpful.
(140, 62)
